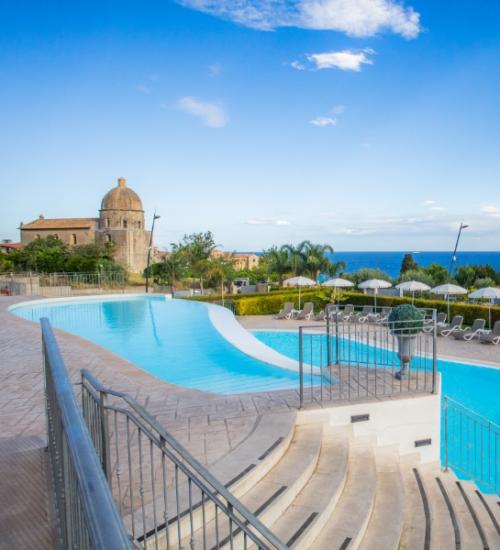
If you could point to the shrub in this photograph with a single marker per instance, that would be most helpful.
(406, 320)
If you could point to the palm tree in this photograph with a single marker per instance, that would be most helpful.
(174, 267)
(277, 261)
(222, 268)
(316, 260)
(297, 256)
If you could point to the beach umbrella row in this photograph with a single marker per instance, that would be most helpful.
(489, 293)
(300, 282)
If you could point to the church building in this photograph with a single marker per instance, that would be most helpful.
(121, 221)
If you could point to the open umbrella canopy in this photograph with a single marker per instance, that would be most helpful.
(299, 281)
(413, 286)
(489, 293)
(448, 289)
(337, 282)
(374, 284)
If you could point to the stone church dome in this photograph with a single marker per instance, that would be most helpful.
(121, 198)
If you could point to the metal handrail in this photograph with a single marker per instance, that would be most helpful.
(202, 478)
(88, 517)
(471, 444)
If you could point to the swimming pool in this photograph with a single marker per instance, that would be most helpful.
(171, 339)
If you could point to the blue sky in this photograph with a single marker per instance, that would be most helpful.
(368, 124)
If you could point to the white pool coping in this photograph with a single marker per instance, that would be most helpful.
(226, 324)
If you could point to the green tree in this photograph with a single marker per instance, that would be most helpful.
(417, 275)
(195, 250)
(220, 270)
(366, 273)
(277, 262)
(47, 255)
(440, 275)
(484, 282)
(6, 263)
(169, 271)
(408, 263)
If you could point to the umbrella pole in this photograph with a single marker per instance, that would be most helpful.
(375, 296)
(489, 313)
(299, 295)
(412, 297)
(448, 300)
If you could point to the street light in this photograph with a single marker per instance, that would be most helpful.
(155, 217)
(454, 256)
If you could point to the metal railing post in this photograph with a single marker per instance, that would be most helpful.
(106, 462)
(445, 413)
(301, 368)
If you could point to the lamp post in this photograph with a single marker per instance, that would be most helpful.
(454, 256)
(155, 217)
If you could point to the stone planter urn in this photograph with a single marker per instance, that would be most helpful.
(405, 323)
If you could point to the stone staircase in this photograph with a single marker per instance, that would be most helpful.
(319, 487)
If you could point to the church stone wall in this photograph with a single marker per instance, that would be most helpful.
(67, 236)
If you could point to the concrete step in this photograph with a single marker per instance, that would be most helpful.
(347, 526)
(272, 495)
(487, 511)
(444, 534)
(386, 521)
(471, 534)
(308, 514)
(416, 524)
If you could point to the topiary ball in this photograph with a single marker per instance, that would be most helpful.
(406, 320)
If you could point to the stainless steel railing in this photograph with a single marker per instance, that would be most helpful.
(167, 498)
(471, 445)
(362, 356)
(88, 518)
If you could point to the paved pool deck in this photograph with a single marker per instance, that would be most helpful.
(209, 425)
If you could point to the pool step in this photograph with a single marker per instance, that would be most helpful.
(272, 495)
(443, 513)
(308, 514)
(347, 525)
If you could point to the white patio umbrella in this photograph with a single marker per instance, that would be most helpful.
(489, 293)
(413, 286)
(338, 282)
(300, 282)
(448, 290)
(375, 285)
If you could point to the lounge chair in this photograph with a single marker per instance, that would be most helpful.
(286, 311)
(456, 324)
(306, 313)
(469, 333)
(492, 336)
(346, 313)
(321, 316)
(381, 317)
(363, 316)
(440, 322)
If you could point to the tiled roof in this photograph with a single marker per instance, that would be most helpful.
(15, 246)
(61, 223)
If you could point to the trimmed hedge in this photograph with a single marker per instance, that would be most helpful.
(270, 303)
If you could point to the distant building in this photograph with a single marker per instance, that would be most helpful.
(121, 221)
(5, 248)
(242, 261)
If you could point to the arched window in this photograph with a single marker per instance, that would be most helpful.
(72, 239)
(38, 237)
(108, 238)
(124, 224)
(138, 225)
(107, 222)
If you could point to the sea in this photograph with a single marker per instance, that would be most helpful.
(390, 262)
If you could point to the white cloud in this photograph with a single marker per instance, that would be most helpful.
(429, 202)
(263, 221)
(211, 114)
(438, 208)
(359, 18)
(297, 65)
(491, 210)
(323, 121)
(338, 109)
(346, 60)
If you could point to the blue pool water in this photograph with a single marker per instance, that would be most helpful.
(172, 339)
(475, 387)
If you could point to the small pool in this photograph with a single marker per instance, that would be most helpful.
(171, 339)
(474, 386)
